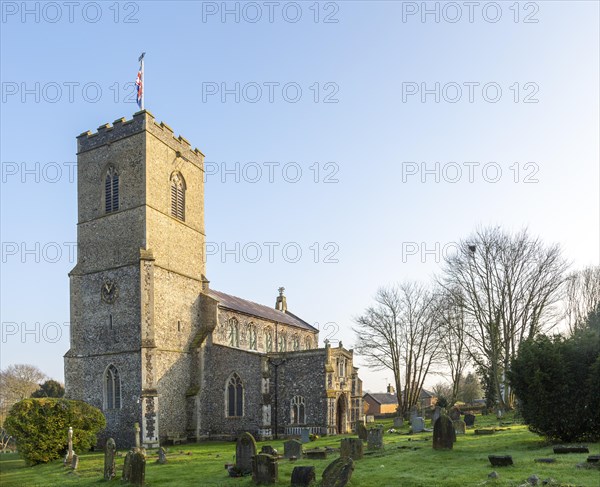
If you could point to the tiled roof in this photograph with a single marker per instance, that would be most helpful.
(259, 310)
(384, 397)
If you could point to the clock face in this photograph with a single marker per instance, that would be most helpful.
(109, 291)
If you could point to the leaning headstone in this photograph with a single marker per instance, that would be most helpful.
(443, 434)
(162, 456)
(304, 435)
(265, 470)
(303, 476)
(110, 450)
(454, 413)
(127, 466)
(470, 420)
(500, 460)
(351, 447)
(138, 468)
(417, 424)
(459, 427)
(245, 449)
(75, 461)
(361, 430)
(292, 448)
(338, 473)
(437, 412)
(269, 450)
(398, 422)
(375, 438)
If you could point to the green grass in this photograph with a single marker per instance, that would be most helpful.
(466, 465)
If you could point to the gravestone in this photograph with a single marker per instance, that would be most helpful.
(375, 438)
(398, 422)
(437, 412)
(69, 457)
(454, 413)
(414, 412)
(370, 418)
(303, 476)
(269, 450)
(443, 434)
(162, 456)
(292, 448)
(485, 431)
(265, 470)
(351, 447)
(470, 420)
(459, 427)
(417, 424)
(136, 429)
(338, 473)
(593, 459)
(127, 466)
(316, 454)
(304, 435)
(138, 468)
(571, 449)
(361, 430)
(110, 450)
(500, 460)
(245, 449)
(75, 461)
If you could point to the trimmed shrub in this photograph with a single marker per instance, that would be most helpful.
(556, 380)
(40, 427)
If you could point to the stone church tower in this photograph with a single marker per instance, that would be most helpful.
(151, 342)
(135, 291)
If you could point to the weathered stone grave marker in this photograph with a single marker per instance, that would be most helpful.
(265, 470)
(69, 456)
(136, 429)
(417, 424)
(245, 449)
(303, 476)
(138, 468)
(338, 472)
(454, 413)
(437, 412)
(162, 456)
(304, 435)
(269, 450)
(500, 460)
(292, 448)
(110, 468)
(74, 461)
(571, 449)
(398, 422)
(375, 438)
(470, 420)
(459, 427)
(361, 430)
(316, 454)
(351, 447)
(443, 434)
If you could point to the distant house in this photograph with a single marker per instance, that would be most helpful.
(377, 403)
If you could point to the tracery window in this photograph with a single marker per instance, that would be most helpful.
(112, 388)
(269, 340)
(234, 332)
(307, 343)
(295, 343)
(282, 345)
(298, 410)
(252, 336)
(111, 190)
(234, 396)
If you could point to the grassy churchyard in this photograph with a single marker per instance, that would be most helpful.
(408, 460)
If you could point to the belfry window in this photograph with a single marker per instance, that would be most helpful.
(177, 197)
(298, 411)
(112, 388)
(234, 396)
(111, 190)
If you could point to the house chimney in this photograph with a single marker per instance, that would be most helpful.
(281, 303)
(391, 389)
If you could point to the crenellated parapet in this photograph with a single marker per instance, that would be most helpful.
(141, 121)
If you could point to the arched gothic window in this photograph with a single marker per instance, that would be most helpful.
(178, 197)
(296, 343)
(252, 336)
(298, 413)
(111, 190)
(282, 345)
(234, 333)
(112, 388)
(307, 343)
(269, 340)
(234, 396)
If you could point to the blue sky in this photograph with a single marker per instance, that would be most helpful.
(386, 212)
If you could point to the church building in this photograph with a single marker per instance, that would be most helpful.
(150, 341)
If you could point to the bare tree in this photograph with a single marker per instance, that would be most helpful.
(18, 382)
(509, 285)
(399, 333)
(582, 296)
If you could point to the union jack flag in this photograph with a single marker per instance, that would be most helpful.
(139, 82)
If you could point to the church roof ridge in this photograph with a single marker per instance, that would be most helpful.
(259, 310)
